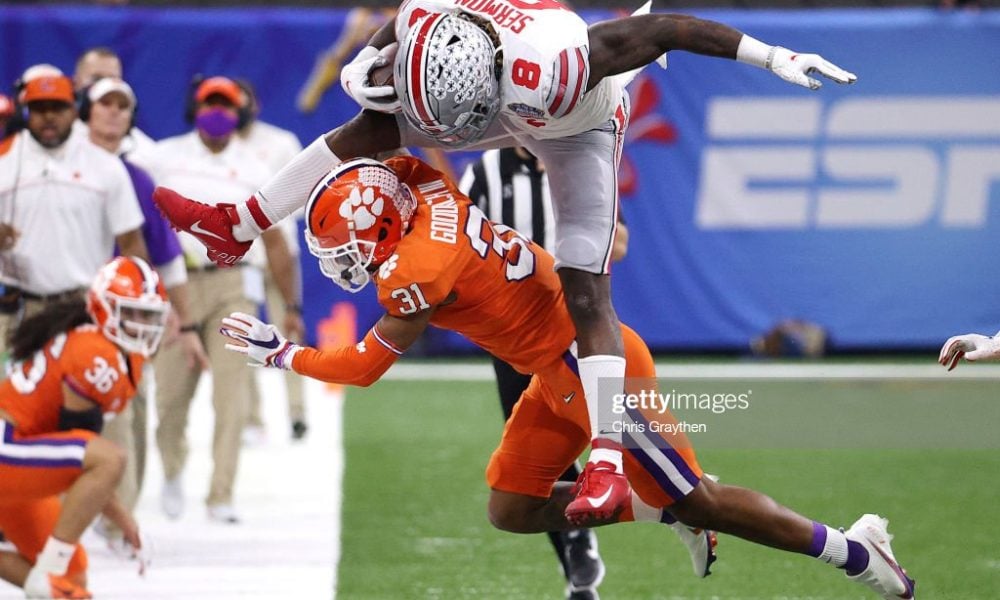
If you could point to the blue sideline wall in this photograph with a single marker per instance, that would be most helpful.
(873, 210)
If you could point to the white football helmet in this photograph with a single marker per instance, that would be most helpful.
(447, 78)
(355, 217)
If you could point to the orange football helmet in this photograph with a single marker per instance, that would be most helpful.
(355, 217)
(129, 304)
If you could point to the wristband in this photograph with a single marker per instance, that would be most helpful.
(296, 308)
(189, 328)
(755, 52)
(283, 359)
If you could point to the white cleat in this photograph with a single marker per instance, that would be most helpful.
(701, 546)
(700, 543)
(883, 574)
(172, 498)
(223, 513)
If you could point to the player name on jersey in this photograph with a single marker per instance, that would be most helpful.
(504, 14)
(444, 211)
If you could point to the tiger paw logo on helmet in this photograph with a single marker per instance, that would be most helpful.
(362, 207)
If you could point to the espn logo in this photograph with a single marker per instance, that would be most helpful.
(876, 162)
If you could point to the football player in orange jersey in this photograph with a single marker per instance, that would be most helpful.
(73, 364)
(436, 259)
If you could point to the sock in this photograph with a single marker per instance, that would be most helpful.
(55, 557)
(287, 191)
(832, 546)
(611, 369)
(640, 511)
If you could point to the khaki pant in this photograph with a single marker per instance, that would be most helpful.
(293, 381)
(214, 294)
(129, 430)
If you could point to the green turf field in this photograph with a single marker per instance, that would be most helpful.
(414, 512)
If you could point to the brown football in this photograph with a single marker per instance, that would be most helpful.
(381, 75)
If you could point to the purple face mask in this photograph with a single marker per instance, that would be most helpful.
(215, 122)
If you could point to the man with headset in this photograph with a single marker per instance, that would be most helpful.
(97, 63)
(213, 157)
(60, 196)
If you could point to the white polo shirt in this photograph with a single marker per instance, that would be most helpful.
(69, 203)
(184, 164)
(272, 144)
(276, 147)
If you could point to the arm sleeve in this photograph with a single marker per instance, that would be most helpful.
(361, 364)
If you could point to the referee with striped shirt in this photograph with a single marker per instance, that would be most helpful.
(510, 186)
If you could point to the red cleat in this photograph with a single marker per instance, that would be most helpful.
(601, 493)
(212, 225)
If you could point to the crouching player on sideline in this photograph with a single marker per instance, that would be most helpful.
(74, 363)
(436, 260)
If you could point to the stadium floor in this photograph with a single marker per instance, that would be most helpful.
(414, 514)
(413, 521)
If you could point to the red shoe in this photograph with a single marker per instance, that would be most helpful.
(212, 225)
(601, 493)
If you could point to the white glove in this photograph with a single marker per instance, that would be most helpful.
(790, 66)
(972, 346)
(796, 68)
(261, 342)
(354, 80)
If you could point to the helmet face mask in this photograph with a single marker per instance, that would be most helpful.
(140, 326)
(129, 304)
(355, 217)
(447, 78)
(346, 264)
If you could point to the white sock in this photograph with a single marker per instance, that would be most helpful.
(835, 549)
(289, 189)
(643, 511)
(55, 557)
(610, 369)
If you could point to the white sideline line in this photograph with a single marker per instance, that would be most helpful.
(426, 371)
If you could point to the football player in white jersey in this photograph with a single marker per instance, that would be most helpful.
(477, 74)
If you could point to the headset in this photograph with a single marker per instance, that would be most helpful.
(252, 104)
(18, 120)
(84, 106)
(244, 111)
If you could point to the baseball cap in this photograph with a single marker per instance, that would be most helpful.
(40, 70)
(48, 87)
(222, 86)
(107, 85)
